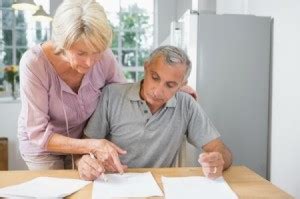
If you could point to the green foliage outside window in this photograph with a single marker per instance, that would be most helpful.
(129, 40)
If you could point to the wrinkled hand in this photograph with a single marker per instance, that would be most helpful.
(212, 164)
(189, 90)
(108, 155)
(89, 168)
(109, 168)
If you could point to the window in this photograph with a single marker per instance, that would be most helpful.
(132, 22)
(18, 32)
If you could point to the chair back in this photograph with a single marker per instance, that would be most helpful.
(3, 153)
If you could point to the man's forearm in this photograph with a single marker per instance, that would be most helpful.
(218, 146)
(227, 156)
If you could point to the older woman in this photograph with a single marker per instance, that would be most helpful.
(61, 83)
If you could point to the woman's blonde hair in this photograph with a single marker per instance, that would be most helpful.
(83, 20)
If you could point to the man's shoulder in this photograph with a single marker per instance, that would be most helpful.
(185, 101)
(184, 97)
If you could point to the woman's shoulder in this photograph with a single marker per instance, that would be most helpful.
(32, 54)
(34, 60)
(102, 64)
(107, 58)
(107, 68)
(108, 53)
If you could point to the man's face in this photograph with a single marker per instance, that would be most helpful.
(161, 82)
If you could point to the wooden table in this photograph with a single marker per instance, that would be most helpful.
(244, 182)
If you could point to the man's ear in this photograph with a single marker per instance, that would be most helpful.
(184, 83)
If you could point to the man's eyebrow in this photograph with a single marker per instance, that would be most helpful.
(154, 73)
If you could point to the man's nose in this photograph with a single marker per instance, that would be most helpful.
(158, 91)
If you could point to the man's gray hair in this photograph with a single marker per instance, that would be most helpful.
(172, 55)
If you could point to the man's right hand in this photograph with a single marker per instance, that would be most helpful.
(89, 168)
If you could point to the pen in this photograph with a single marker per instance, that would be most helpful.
(103, 176)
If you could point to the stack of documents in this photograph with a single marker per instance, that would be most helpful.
(126, 185)
(196, 187)
(44, 187)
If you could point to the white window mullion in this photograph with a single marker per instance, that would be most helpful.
(132, 70)
(120, 36)
(14, 40)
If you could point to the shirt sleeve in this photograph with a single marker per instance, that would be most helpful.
(34, 99)
(98, 125)
(200, 129)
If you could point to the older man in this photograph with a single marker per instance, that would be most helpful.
(149, 119)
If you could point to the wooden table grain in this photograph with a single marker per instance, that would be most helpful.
(243, 181)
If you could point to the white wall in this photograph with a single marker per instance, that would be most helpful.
(285, 129)
(182, 6)
(9, 111)
(53, 5)
(171, 10)
(165, 13)
(232, 6)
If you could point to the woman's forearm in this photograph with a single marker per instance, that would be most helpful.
(62, 144)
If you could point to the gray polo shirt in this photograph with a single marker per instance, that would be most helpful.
(150, 140)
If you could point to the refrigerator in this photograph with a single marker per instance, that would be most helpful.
(231, 72)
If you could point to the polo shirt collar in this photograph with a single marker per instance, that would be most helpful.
(134, 92)
(134, 95)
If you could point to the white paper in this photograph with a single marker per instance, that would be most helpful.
(126, 185)
(44, 187)
(196, 187)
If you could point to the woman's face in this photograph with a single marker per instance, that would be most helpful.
(81, 57)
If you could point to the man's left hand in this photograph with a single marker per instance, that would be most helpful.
(212, 164)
